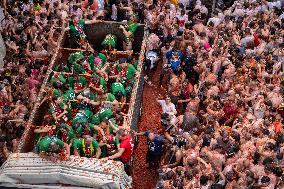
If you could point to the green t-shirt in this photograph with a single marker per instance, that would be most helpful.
(118, 87)
(114, 124)
(71, 82)
(95, 119)
(74, 31)
(43, 144)
(104, 114)
(80, 83)
(75, 57)
(82, 80)
(69, 95)
(58, 77)
(68, 137)
(91, 60)
(92, 95)
(81, 146)
(82, 117)
(132, 26)
(56, 92)
(130, 72)
(110, 97)
(103, 83)
(79, 68)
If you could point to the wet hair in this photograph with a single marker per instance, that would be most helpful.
(279, 139)
(191, 163)
(211, 24)
(203, 179)
(188, 175)
(278, 171)
(216, 186)
(270, 145)
(267, 161)
(236, 136)
(118, 95)
(202, 34)
(273, 31)
(209, 130)
(279, 156)
(265, 132)
(230, 175)
(206, 140)
(265, 179)
(203, 16)
(251, 24)
(121, 132)
(167, 7)
(178, 184)
(169, 175)
(179, 171)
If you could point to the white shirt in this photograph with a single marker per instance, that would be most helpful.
(170, 109)
(271, 5)
(182, 21)
(238, 12)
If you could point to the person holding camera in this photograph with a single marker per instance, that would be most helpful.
(155, 144)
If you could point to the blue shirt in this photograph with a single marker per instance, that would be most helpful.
(155, 146)
(169, 55)
(174, 64)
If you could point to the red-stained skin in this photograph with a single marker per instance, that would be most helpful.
(144, 178)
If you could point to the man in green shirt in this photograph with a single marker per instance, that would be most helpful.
(86, 98)
(69, 95)
(117, 89)
(80, 84)
(128, 32)
(104, 114)
(83, 116)
(98, 84)
(75, 57)
(77, 28)
(65, 132)
(86, 147)
(109, 100)
(127, 73)
(59, 110)
(57, 79)
(51, 144)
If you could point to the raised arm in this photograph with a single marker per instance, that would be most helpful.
(98, 153)
(93, 21)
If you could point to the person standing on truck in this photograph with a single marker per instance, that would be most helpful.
(86, 147)
(124, 151)
(77, 30)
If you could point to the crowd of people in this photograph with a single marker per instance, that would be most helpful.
(222, 115)
(223, 77)
(30, 33)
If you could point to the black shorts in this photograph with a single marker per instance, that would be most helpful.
(153, 159)
(127, 166)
